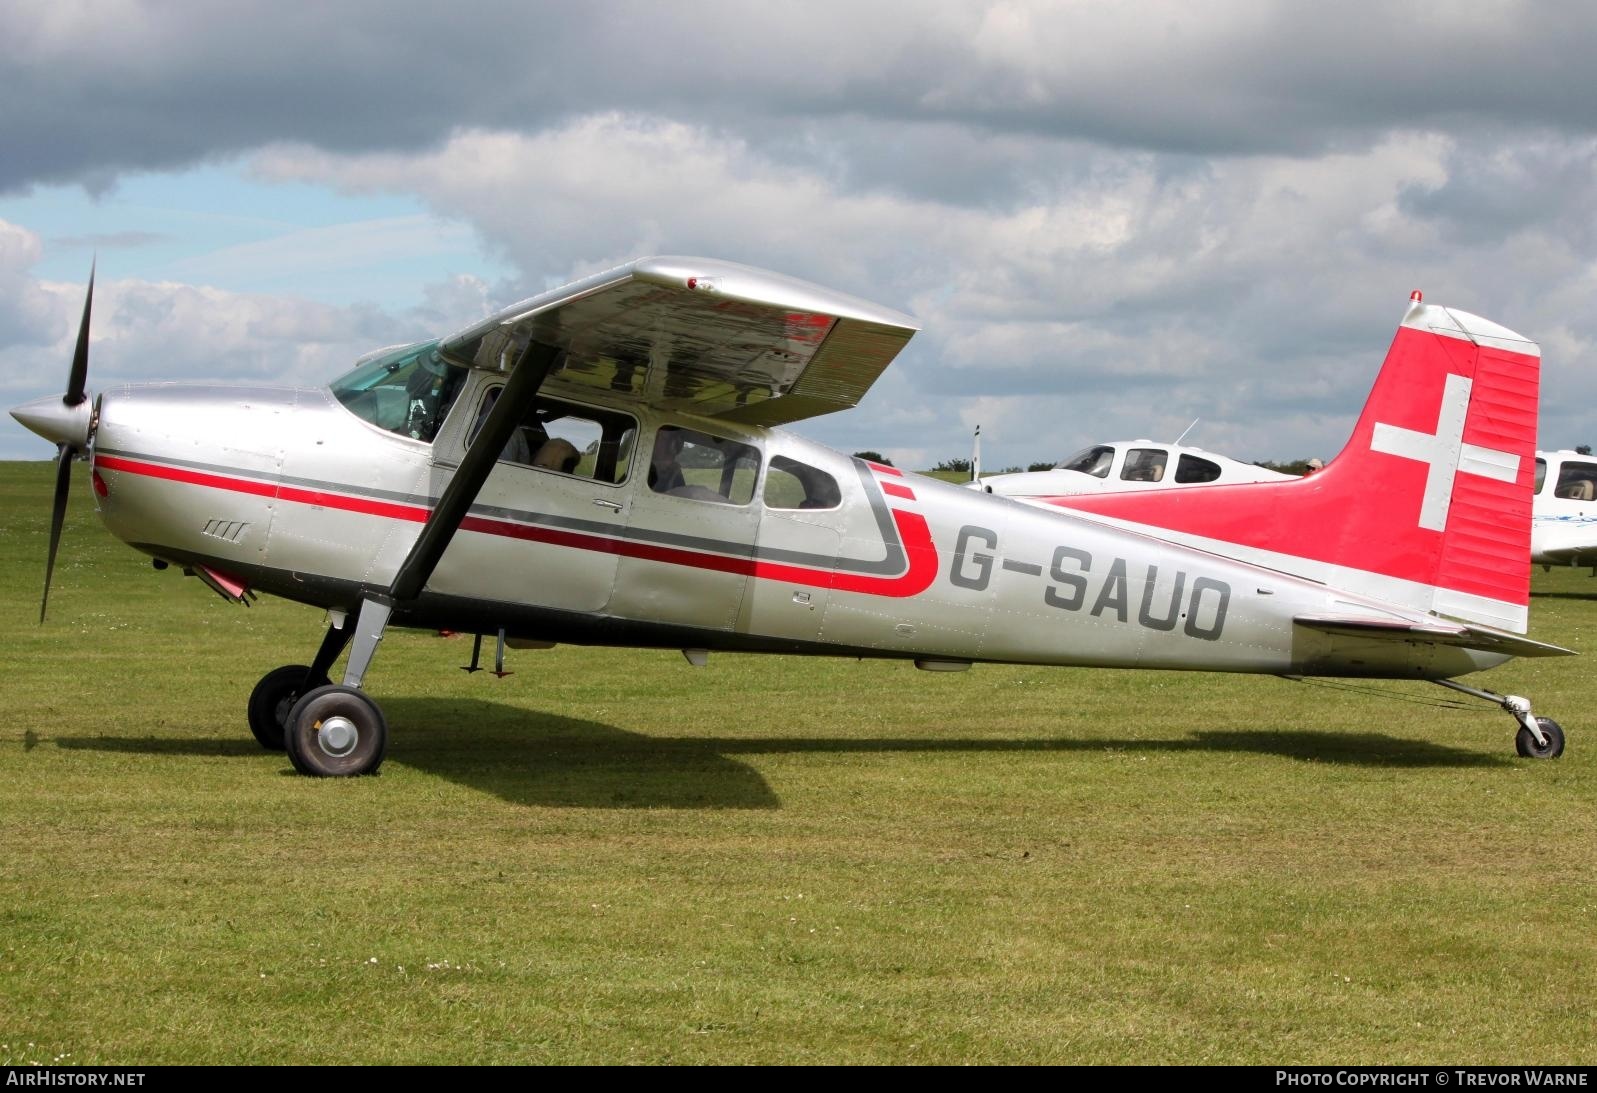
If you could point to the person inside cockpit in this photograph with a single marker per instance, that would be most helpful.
(665, 467)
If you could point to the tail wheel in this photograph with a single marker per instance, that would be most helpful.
(336, 732)
(272, 699)
(1526, 745)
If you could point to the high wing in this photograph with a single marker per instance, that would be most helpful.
(702, 336)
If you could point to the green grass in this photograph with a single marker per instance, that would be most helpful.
(613, 857)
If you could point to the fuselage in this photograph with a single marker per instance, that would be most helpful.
(785, 546)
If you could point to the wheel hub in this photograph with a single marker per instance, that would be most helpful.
(337, 736)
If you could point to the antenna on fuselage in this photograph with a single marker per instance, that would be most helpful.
(1188, 429)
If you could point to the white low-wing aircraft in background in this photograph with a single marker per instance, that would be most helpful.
(1564, 508)
(1564, 515)
(1128, 465)
(602, 465)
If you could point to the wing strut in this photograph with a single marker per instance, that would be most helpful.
(462, 490)
(520, 390)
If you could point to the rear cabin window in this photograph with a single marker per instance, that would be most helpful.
(568, 439)
(407, 391)
(1144, 465)
(1577, 482)
(1541, 476)
(1192, 469)
(1093, 461)
(687, 463)
(790, 484)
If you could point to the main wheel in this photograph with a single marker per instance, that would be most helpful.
(1526, 745)
(336, 732)
(273, 697)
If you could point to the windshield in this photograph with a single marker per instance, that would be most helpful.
(406, 390)
(1093, 461)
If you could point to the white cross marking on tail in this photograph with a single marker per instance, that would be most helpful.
(1437, 449)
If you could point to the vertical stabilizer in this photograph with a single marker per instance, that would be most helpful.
(1428, 505)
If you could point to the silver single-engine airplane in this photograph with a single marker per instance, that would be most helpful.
(600, 465)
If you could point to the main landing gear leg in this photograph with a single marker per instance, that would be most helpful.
(335, 731)
(333, 643)
(1538, 737)
(274, 696)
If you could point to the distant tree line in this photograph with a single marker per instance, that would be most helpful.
(962, 466)
(1298, 467)
(958, 465)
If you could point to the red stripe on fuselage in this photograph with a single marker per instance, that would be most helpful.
(912, 530)
(367, 506)
(895, 490)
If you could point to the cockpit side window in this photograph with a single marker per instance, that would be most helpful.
(1577, 481)
(407, 391)
(1093, 461)
(1144, 465)
(1192, 469)
(790, 484)
(695, 465)
(1541, 476)
(559, 436)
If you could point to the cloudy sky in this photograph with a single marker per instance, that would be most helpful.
(1110, 218)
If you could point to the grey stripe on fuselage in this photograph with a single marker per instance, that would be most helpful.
(891, 563)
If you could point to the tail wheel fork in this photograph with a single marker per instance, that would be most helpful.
(1538, 737)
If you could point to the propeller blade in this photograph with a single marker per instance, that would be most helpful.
(63, 491)
(80, 358)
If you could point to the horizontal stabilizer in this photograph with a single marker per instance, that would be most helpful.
(1434, 631)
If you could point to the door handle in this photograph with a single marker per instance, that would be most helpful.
(607, 504)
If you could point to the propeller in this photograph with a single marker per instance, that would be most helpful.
(70, 425)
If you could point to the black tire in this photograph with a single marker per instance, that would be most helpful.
(336, 732)
(1526, 745)
(272, 699)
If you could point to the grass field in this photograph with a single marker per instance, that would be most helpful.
(614, 857)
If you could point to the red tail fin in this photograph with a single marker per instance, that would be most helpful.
(1429, 505)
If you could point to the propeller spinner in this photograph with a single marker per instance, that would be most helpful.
(69, 421)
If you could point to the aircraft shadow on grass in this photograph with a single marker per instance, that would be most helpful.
(542, 759)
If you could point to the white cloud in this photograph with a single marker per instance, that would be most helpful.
(153, 331)
(334, 247)
(27, 312)
(1138, 292)
(119, 86)
(1108, 217)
